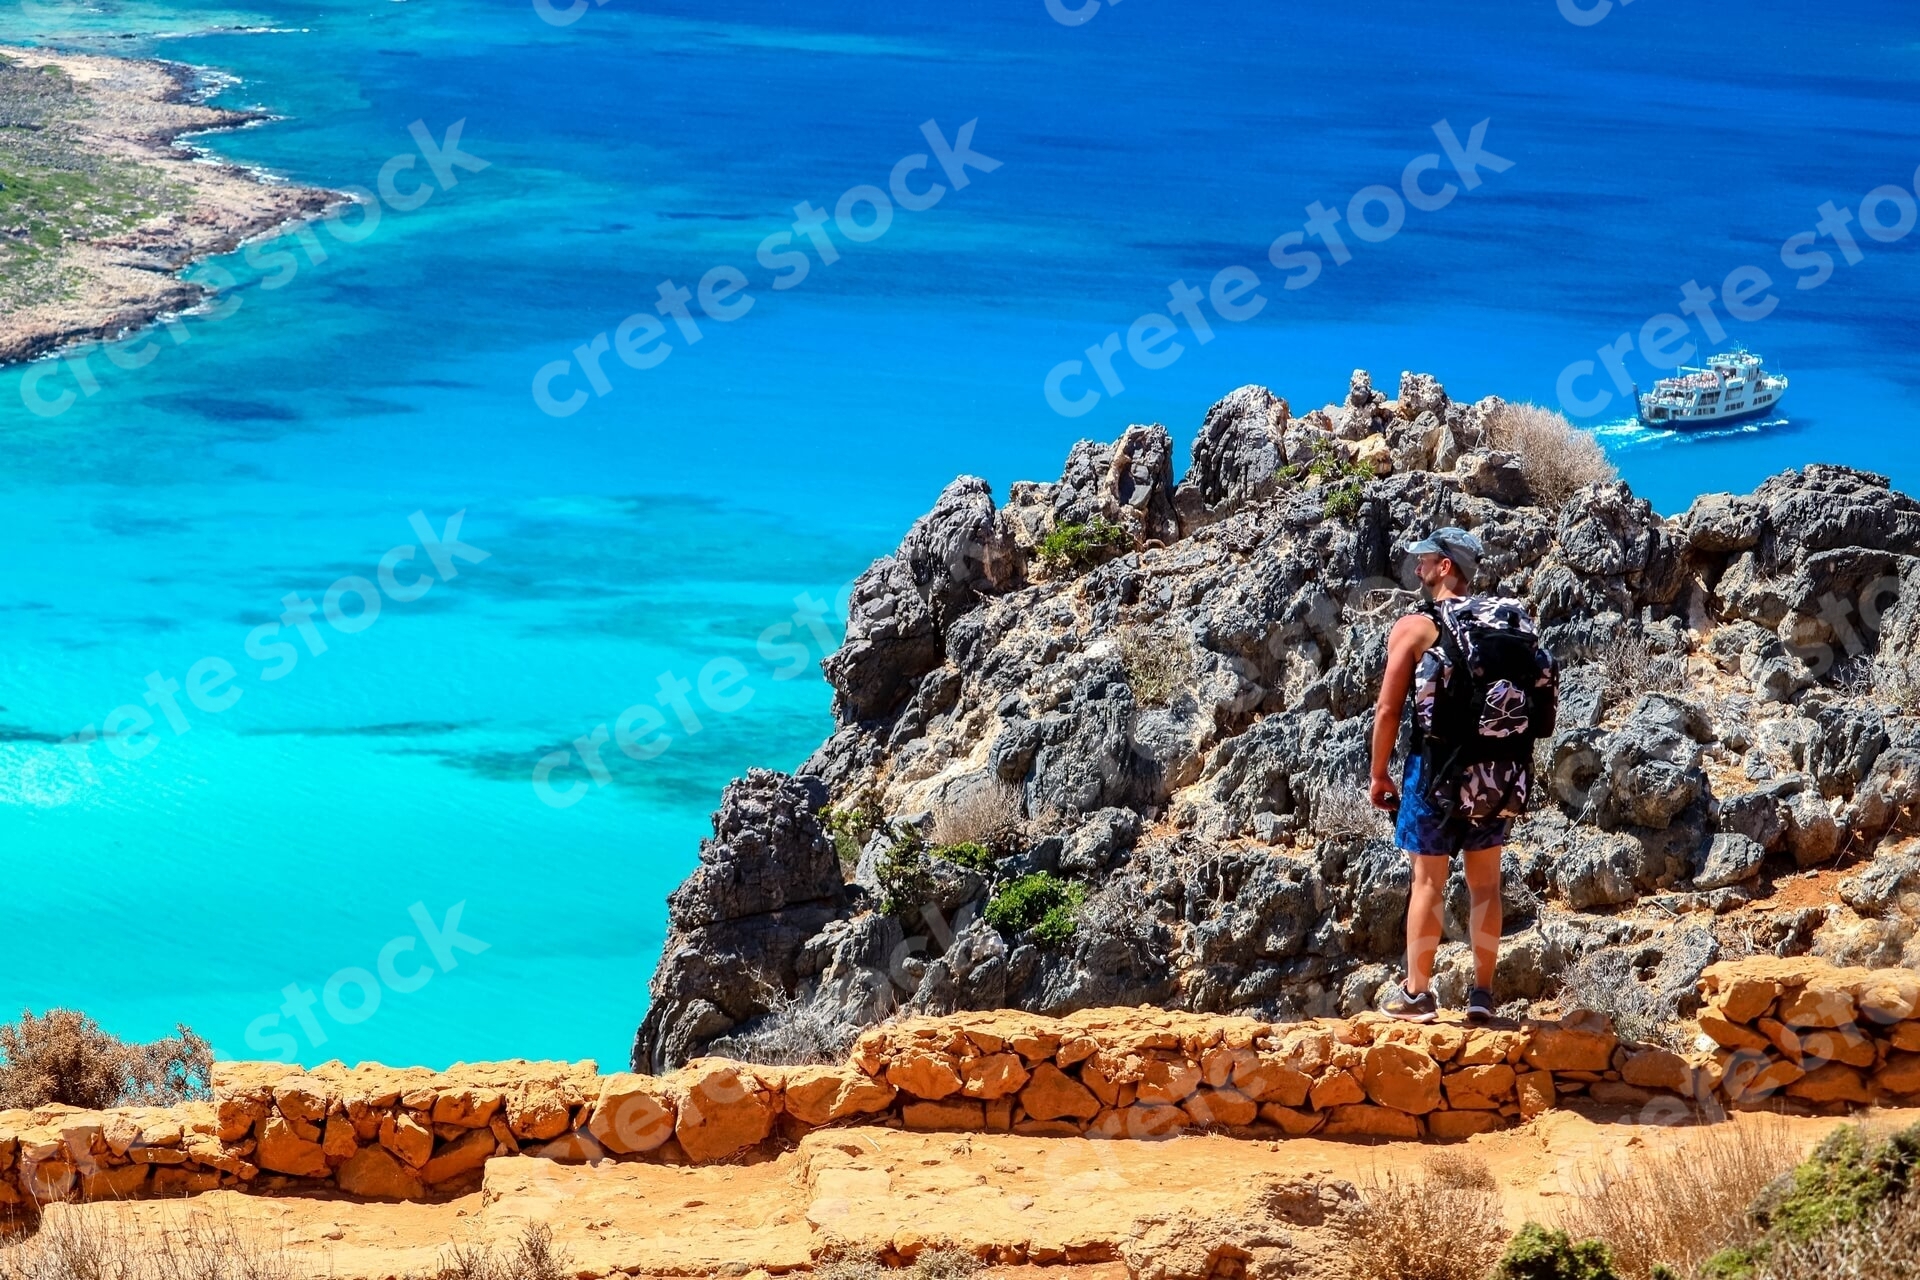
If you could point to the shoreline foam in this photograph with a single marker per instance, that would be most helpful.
(142, 112)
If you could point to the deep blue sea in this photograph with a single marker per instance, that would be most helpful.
(262, 875)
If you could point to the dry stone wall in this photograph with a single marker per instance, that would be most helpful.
(1796, 1033)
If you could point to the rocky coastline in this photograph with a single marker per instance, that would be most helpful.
(112, 205)
(1152, 700)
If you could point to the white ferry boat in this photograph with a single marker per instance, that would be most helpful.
(1731, 387)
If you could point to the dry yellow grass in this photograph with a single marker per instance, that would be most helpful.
(1681, 1204)
(1447, 1225)
(1556, 457)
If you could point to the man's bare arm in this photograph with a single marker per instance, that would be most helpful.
(1410, 637)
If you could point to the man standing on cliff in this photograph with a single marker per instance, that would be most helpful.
(1475, 790)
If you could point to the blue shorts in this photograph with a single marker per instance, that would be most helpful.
(1420, 830)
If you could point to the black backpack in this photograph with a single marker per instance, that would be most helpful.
(1483, 695)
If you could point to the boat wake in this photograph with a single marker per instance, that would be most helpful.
(1629, 434)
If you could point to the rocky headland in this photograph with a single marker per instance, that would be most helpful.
(1106, 744)
(102, 206)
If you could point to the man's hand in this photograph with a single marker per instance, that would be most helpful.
(1381, 792)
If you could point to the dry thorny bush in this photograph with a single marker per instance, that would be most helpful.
(1679, 1204)
(840, 1261)
(1340, 811)
(1882, 1245)
(1158, 661)
(1606, 982)
(80, 1244)
(1556, 457)
(989, 815)
(1630, 666)
(1447, 1225)
(65, 1057)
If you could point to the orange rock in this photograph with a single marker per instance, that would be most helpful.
(994, 1076)
(1839, 1044)
(238, 1116)
(1167, 1080)
(1565, 1046)
(721, 1107)
(470, 1151)
(920, 1074)
(1337, 1088)
(1075, 1048)
(340, 1141)
(1745, 999)
(1292, 1120)
(821, 1095)
(1484, 1047)
(1536, 1092)
(1454, 1125)
(1900, 1075)
(1618, 1093)
(1756, 1077)
(1221, 1107)
(1268, 1078)
(1826, 1001)
(538, 1115)
(1658, 1069)
(284, 1151)
(1052, 1094)
(1403, 1078)
(1101, 1087)
(468, 1107)
(1153, 1121)
(634, 1113)
(1905, 1036)
(1835, 1082)
(953, 1113)
(408, 1139)
(373, 1174)
(1364, 1121)
(1781, 1036)
(1888, 996)
(171, 1183)
(1479, 1088)
(1731, 1035)
(1436, 1040)
(304, 1103)
(120, 1183)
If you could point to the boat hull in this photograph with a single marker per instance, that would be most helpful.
(1704, 424)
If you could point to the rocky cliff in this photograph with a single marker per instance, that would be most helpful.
(1106, 744)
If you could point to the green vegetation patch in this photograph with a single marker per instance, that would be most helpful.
(1345, 480)
(1536, 1253)
(1041, 902)
(1846, 1177)
(851, 826)
(1079, 546)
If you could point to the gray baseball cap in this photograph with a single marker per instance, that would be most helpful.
(1455, 544)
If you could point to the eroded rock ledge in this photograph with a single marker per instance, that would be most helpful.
(1797, 1034)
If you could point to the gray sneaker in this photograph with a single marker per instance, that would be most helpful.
(1409, 1008)
(1479, 1005)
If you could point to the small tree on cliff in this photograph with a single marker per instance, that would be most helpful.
(65, 1057)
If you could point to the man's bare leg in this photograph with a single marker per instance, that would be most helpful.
(1423, 919)
(1483, 886)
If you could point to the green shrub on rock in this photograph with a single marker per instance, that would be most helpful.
(1536, 1253)
(1845, 1179)
(1041, 902)
(1069, 545)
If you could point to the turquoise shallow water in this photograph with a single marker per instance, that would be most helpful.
(669, 523)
